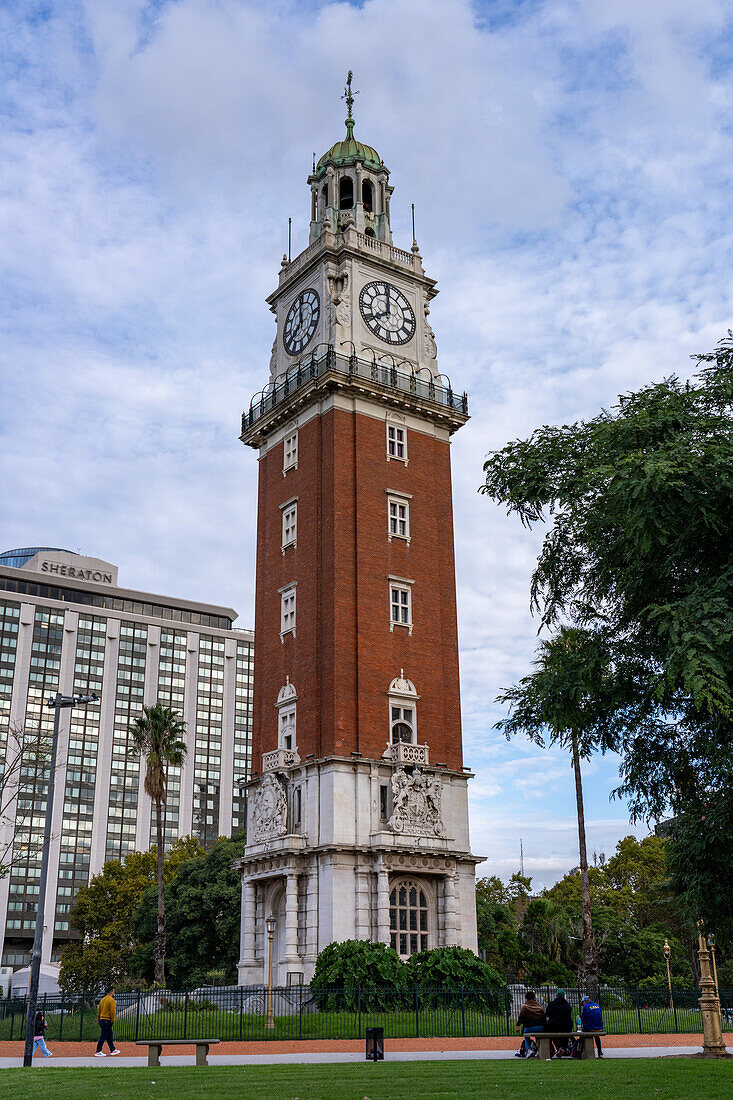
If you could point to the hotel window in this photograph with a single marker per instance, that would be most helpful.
(400, 604)
(398, 517)
(397, 442)
(290, 452)
(290, 524)
(287, 611)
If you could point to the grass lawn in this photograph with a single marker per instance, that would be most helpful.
(632, 1079)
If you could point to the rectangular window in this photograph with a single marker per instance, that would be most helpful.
(398, 517)
(396, 442)
(297, 805)
(287, 611)
(383, 801)
(286, 731)
(290, 524)
(400, 603)
(290, 452)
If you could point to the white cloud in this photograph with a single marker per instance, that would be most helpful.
(569, 162)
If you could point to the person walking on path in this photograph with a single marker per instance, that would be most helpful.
(530, 1020)
(560, 1018)
(39, 1031)
(106, 1017)
(592, 1020)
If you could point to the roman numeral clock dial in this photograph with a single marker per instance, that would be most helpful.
(301, 322)
(387, 312)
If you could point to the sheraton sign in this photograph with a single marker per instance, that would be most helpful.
(78, 574)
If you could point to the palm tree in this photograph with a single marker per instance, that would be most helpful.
(157, 735)
(576, 699)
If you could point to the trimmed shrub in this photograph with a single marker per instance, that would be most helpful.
(452, 968)
(355, 963)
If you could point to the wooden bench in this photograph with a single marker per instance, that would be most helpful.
(155, 1046)
(542, 1038)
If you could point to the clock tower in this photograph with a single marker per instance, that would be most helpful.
(357, 824)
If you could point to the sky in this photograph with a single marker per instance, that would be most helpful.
(570, 165)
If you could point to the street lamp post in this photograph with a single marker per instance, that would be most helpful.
(667, 951)
(59, 702)
(270, 924)
(712, 1044)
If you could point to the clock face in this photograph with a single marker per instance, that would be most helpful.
(387, 312)
(301, 322)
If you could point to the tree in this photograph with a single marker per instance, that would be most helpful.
(701, 869)
(202, 905)
(157, 735)
(103, 913)
(570, 699)
(25, 755)
(638, 552)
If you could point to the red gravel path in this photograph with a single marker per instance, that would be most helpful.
(331, 1046)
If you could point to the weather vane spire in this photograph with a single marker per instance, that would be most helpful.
(349, 97)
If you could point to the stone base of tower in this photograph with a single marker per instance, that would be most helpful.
(345, 864)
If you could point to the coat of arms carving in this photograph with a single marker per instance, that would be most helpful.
(417, 802)
(269, 809)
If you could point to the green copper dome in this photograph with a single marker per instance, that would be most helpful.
(349, 151)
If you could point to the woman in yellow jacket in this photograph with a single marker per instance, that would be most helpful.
(106, 1017)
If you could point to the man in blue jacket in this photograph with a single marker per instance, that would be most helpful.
(592, 1020)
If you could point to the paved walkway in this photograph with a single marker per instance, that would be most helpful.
(334, 1050)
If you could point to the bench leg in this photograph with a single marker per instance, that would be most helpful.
(544, 1046)
(202, 1051)
(587, 1044)
(154, 1055)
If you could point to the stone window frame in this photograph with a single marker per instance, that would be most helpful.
(290, 451)
(289, 531)
(288, 606)
(426, 936)
(401, 585)
(397, 499)
(397, 440)
(287, 725)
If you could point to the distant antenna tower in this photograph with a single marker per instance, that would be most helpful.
(521, 857)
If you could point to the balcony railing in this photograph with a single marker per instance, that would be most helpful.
(396, 376)
(279, 758)
(402, 753)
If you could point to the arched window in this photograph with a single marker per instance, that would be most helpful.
(367, 196)
(286, 704)
(346, 193)
(324, 200)
(402, 711)
(409, 924)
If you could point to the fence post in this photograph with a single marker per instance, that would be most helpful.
(137, 1016)
(81, 1020)
(674, 1009)
(506, 1006)
(241, 1009)
(185, 1014)
(358, 1005)
(638, 1011)
(300, 1011)
(417, 1013)
(12, 1021)
(463, 1013)
(61, 1022)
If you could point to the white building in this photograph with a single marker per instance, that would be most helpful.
(66, 625)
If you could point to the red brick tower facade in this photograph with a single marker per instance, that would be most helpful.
(357, 820)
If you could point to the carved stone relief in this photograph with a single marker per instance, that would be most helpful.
(339, 308)
(269, 809)
(417, 801)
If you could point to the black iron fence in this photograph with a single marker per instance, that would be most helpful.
(297, 1012)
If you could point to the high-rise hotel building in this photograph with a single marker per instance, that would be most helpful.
(66, 625)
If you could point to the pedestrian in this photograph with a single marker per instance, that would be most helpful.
(530, 1020)
(106, 1017)
(39, 1032)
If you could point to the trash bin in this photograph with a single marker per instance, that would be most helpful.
(375, 1044)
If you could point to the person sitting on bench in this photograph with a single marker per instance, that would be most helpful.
(530, 1020)
(560, 1018)
(591, 1019)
